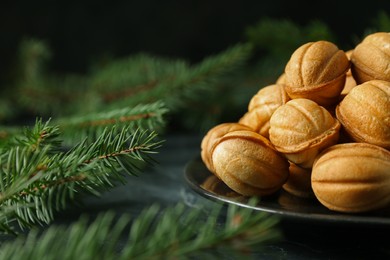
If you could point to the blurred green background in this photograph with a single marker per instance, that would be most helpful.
(84, 35)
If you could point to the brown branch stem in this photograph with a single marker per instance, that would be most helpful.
(122, 119)
(80, 177)
(106, 156)
(112, 96)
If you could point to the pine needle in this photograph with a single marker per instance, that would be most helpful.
(141, 116)
(37, 178)
(174, 84)
(173, 233)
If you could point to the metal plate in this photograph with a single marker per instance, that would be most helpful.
(202, 181)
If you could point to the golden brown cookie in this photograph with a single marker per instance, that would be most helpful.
(212, 136)
(300, 129)
(371, 58)
(317, 71)
(247, 163)
(261, 107)
(365, 113)
(352, 177)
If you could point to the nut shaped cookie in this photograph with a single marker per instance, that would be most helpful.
(247, 163)
(371, 58)
(301, 129)
(212, 136)
(365, 113)
(317, 71)
(261, 107)
(352, 177)
(299, 182)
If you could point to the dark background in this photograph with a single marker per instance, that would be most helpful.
(82, 32)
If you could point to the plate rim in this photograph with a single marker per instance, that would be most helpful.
(334, 217)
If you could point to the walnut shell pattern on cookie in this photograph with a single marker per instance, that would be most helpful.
(317, 71)
(212, 136)
(301, 128)
(247, 163)
(261, 107)
(365, 113)
(371, 58)
(352, 177)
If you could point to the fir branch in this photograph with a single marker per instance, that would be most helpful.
(37, 182)
(55, 95)
(203, 78)
(40, 135)
(141, 79)
(173, 233)
(142, 116)
(39, 91)
(134, 75)
(173, 82)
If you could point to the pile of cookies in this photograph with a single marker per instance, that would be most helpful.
(322, 130)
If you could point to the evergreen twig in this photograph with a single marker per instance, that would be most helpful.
(144, 79)
(139, 79)
(173, 233)
(141, 116)
(37, 178)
